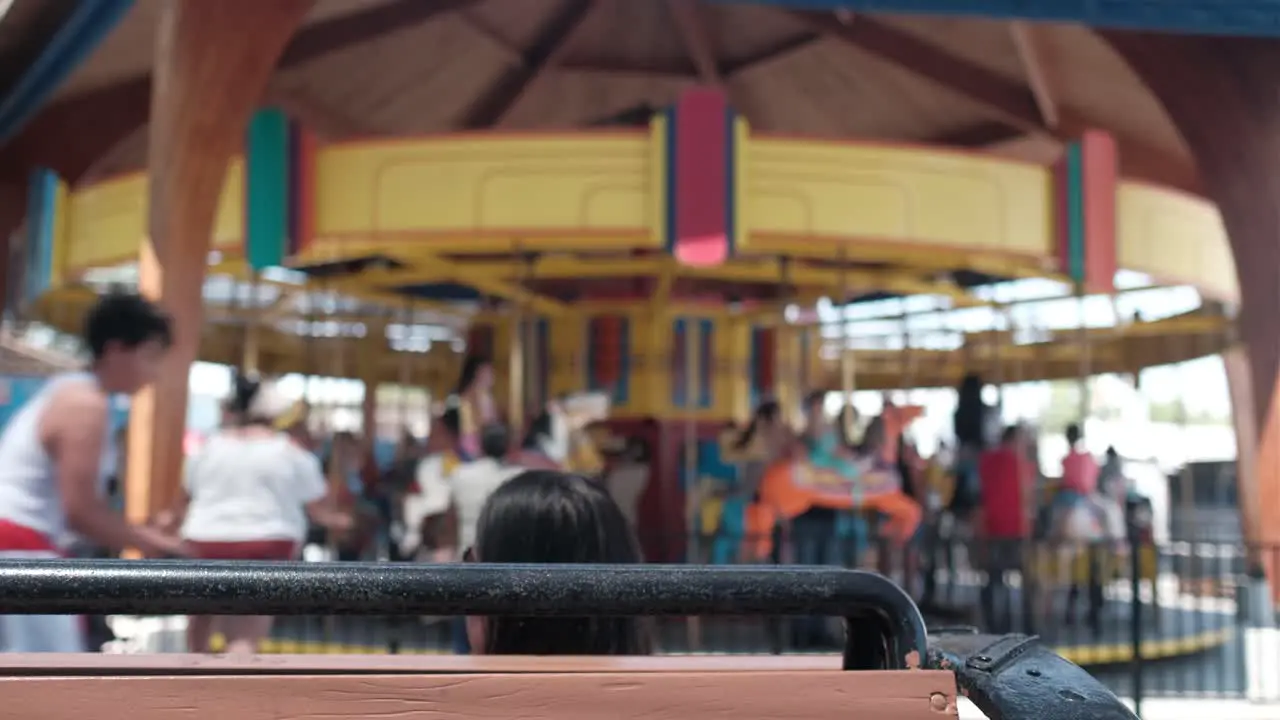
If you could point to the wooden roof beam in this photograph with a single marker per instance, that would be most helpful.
(72, 134)
(1008, 101)
(770, 53)
(482, 28)
(1029, 42)
(691, 22)
(498, 100)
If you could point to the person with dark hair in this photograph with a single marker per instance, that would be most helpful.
(473, 482)
(1008, 497)
(1079, 469)
(247, 495)
(627, 480)
(56, 453)
(425, 505)
(473, 398)
(765, 422)
(972, 429)
(547, 440)
(545, 516)
(469, 487)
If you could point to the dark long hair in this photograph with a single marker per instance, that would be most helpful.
(470, 369)
(244, 388)
(767, 411)
(545, 516)
(971, 413)
(540, 427)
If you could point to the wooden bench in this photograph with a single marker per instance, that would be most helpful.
(162, 687)
(890, 670)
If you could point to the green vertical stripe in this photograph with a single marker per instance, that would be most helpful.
(266, 189)
(1075, 212)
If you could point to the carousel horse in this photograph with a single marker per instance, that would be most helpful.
(796, 484)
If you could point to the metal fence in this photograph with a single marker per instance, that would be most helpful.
(1182, 618)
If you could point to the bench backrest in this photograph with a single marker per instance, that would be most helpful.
(163, 687)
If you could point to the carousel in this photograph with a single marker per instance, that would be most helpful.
(630, 294)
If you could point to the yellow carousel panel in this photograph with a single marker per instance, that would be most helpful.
(1176, 238)
(900, 196)
(107, 221)
(484, 193)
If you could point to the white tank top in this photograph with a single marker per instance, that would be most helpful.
(28, 489)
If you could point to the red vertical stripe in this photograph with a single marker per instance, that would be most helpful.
(305, 148)
(608, 356)
(1100, 183)
(766, 361)
(701, 182)
(1061, 213)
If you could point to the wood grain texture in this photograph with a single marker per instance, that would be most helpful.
(1223, 95)
(212, 65)
(398, 67)
(898, 695)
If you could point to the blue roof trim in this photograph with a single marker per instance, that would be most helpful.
(1257, 18)
(87, 26)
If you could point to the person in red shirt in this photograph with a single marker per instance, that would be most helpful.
(1004, 523)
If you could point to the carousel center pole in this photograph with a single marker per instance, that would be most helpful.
(212, 62)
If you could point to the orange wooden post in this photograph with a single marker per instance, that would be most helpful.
(212, 63)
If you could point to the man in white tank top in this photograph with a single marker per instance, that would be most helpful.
(55, 455)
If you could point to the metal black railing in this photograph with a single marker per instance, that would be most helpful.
(1007, 677)
(884, 625)
(1147, 619)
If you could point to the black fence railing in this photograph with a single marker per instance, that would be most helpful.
(1005, 677)
(1182, 618)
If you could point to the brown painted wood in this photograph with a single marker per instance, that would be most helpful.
(330, 36)
(690, 20)
(1224, 97)
(1011, 102)
(498, 100)
(212, 64)
(1039, 69)
(70, 135)
(770, 53)
(1007, 100)
(893, 695)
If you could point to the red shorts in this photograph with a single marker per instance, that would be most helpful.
(247, 550)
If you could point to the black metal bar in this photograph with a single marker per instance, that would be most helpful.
(885, 629)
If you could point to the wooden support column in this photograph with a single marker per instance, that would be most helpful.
(212, 62)
(1222, 95)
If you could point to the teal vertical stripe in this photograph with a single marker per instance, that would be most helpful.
(1075, 213)
(679, 363)
(622, 391)
(41, 198)
(266, 225)
(705, 352)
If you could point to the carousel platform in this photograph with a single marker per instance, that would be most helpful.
(1185, 629)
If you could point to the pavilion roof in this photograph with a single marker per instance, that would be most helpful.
(396, 67)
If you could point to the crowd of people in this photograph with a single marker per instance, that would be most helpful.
(836, 492)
